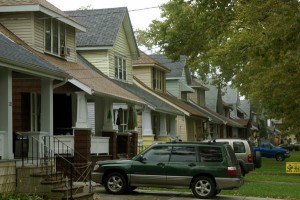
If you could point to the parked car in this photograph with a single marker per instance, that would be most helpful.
(205, 168)
(243, 150)
(268, 150)
(287, 146)
(297, 146)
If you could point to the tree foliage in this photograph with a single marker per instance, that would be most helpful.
(255, 44)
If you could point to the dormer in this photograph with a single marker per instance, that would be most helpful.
(150, 72)
(42, 26)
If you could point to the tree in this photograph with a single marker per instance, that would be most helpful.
(255, 44)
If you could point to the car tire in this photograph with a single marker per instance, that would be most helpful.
(280, 157)
(115, 183)
(203, 187)
(257, 159)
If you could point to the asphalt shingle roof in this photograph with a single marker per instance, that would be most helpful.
(176, 67)
(11, 52)
(102, 26)
(158, 104)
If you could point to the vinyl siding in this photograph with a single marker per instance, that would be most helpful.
(121, 48)
(38, 32)
(173, 87)
(144, 74)
(21, 24)
(71, 43)
(98, 58)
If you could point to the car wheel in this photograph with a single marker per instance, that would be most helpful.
(203, 187)
(257, 159)
(279, 157)
(115, 183)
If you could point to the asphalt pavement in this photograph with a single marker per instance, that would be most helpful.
(101, 194)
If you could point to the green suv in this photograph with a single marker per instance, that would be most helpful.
(206, 168)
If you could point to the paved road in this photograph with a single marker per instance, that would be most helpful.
(100, 194)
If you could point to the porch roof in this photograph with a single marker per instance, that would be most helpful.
(96, 82)
(179, 104)
(20, 59)
(152, 101)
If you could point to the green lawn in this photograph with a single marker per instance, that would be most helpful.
(271, 180)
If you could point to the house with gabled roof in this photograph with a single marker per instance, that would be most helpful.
(150, 74)
(235, 126)
(45, 87)
(109, 45)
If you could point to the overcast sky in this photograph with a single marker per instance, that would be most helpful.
(141, 11)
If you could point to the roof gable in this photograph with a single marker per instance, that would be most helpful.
(103, 26)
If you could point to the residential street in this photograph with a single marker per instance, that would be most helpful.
(100, 194)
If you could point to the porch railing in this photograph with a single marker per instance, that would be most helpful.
(53, 155)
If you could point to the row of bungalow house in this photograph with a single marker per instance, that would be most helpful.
(80, 72)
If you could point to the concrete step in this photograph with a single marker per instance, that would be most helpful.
(81, 196)
(67, 191)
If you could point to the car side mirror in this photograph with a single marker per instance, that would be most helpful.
(141, 158)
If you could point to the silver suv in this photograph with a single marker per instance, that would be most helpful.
(244, 153)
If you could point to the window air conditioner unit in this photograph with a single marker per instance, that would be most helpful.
(64, 51)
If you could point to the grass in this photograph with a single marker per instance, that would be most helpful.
(271, 180)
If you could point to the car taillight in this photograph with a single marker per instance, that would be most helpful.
(250, 158)
(231, 171)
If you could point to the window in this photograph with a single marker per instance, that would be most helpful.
(159, 154)
(239, 147)
(55, 36)
(120, 68)
(210, 154)
(158, 79)
(183, 154)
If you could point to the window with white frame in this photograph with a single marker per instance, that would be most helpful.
(120, 67)
(55, 36)
(158, 80)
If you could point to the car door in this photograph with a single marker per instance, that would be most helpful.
(266, 149)
(150, 169)
(182, 165)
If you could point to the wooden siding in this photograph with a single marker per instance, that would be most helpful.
(144, 74)
(173, 87)
(99, 59)
(194, 96)
(21, 24)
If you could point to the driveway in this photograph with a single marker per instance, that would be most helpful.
(100, 194)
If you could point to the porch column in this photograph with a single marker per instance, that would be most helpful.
(6, 135)
(163, 135)
(173, 126)
(147, 132)
(99, 116)
(47, 106)
(108, 116)
(82, 114)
